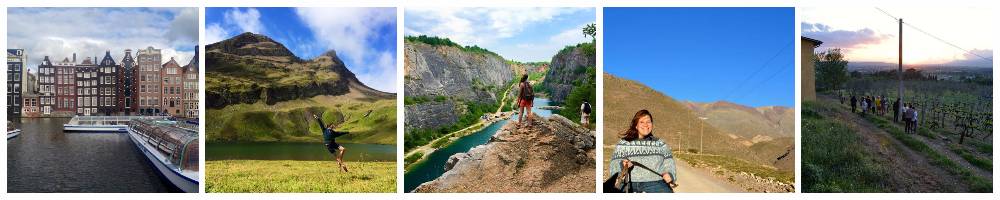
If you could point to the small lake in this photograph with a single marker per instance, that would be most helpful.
(433, 166)
(298, 151)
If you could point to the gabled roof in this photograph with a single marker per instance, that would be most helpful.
(814, 41)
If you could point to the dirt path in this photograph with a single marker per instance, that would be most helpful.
(691, 179)
(942, 148)
(909, 170)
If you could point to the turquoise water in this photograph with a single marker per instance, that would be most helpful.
(433, 166)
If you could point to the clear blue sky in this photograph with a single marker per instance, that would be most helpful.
(364, 38)
(705, 54)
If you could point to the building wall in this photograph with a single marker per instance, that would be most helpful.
(66, 86)
(15, 73)
(87, 88)
(172, 88)
(46, 86)
(107, 77)
(808, 70)
(126, 72)
(148, 81)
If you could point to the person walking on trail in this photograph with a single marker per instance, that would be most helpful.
(906, 117)
(585, 111)
(330, 140)
(864, 106)
(524, 100)
(878, 105)
(854, 103)
(639, 147)
(915, 118)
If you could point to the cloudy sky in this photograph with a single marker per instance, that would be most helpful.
(89, 32)
(522, 34)
(364, 38)
(866, 34)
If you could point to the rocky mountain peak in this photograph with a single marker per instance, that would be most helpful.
(251, 44)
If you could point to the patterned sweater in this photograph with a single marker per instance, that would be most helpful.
(651, 152)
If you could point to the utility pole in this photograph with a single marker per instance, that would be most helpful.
(899, 111)
(701, 148)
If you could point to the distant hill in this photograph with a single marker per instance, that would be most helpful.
(258, 91)
(746, 124)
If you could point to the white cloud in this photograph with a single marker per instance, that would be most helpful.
(248, 21)
(480, 26)
(352, 32)
(89, 32)
(544, 51)
(215, 33)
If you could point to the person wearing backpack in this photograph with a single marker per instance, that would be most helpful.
(585, 110)
(524, 100)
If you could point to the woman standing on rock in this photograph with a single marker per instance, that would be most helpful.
(638, 147)
(524, 100)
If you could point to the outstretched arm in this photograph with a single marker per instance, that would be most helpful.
(320, 121)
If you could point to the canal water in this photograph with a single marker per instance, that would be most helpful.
(298, 151)
(433, 166)
(44, 159)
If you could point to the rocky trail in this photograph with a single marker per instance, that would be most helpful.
(550, 155)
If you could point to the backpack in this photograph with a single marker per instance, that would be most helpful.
(586, 107)
(526, 92)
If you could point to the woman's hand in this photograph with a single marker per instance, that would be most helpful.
(667, 178)
(626, 164)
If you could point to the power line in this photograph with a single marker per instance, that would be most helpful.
(765, 81)
(946, 42)
(887, 13)
(932, 35)
(761, 68)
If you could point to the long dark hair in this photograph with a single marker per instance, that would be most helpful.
(524, 77)
(632, 133)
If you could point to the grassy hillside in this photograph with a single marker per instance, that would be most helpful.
(283, 176)
(672, 121)
(291, 121)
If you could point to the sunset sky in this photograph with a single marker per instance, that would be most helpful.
(866, 34)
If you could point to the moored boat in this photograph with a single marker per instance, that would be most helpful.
(171, 148)
(106, 124)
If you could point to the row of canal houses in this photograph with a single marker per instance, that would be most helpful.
(140, 85)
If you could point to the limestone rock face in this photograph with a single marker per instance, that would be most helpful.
(452, 74)
(549, 155)
(567, 67)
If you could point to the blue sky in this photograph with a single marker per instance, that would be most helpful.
(364, 38)
(705, 54)
(525, 34)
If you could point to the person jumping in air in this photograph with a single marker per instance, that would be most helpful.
(330, 139)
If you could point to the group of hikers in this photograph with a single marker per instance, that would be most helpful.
(879, 105)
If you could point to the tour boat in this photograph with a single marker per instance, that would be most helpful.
(170, 148)
(11, 134)
(107, 124)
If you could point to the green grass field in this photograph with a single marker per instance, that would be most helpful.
(287, 176)
(834, 160)
(291, 121)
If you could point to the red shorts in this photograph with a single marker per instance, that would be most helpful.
(524, 103)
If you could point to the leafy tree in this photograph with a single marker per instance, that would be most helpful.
(590, 31)
(831, 70)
